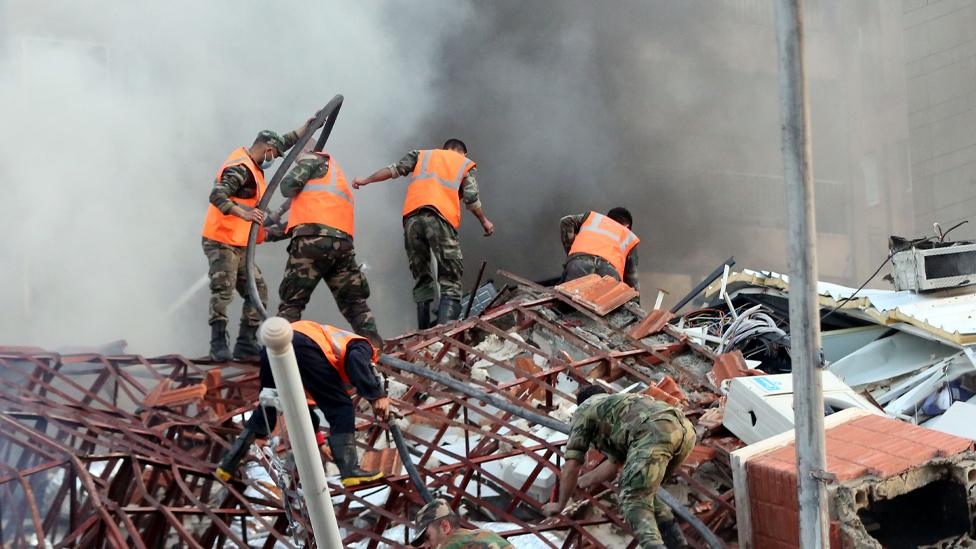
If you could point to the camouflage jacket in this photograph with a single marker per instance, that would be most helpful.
(607, 422)
(569, 227)
(475, 539)
(469, 186)
(237, 181)
(309, 166)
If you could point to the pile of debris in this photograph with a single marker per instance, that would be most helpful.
(119, 450)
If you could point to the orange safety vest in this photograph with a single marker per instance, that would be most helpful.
(228, 228)
(604, 237)
(435, 182)
(333, 342)
(326, 200)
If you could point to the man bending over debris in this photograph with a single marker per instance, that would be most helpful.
(439, 529)
(329, 360)
(600, 244)
(649, 438)
(439, 180)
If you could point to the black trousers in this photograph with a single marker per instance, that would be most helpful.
(321, 381)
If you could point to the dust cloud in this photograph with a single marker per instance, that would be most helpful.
(116, 116)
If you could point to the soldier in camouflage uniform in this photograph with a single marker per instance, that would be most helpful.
(582, 264)
(429, 230)
(227, 265)
(321, 251)
(438, 526)
(648, 438)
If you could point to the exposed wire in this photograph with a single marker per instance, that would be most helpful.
(861, 287)
(952, 228)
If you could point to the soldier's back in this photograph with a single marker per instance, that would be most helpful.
(475, 539)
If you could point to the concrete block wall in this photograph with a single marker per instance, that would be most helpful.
(881, 469)
(940, 52)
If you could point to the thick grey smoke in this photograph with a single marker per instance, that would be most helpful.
(116, 116)
(671, 109)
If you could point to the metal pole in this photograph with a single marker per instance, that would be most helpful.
(804, 309)
(276, 333)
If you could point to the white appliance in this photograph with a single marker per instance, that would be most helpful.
(934, 268)
(762, 406)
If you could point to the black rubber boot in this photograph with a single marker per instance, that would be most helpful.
(231, 461)
(247, 346)
(343, 447)
(448, 310)
(423, 315)
(672, 535)
(218, 342)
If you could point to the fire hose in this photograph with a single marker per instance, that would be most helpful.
(325, 119)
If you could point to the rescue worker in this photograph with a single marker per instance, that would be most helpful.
(321, 227)
(600, 244)
(440, 179)
(237, 190)
(440, 528)
(329, 360)
(648, 438)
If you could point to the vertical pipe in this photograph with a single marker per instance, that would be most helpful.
(804, 309)
(276, 334)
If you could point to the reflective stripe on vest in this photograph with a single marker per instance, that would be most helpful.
(604, 237)
(228, 228)
(326, 200)
(435, 182)
(333, 343)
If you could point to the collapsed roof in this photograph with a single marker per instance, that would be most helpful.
(119, 450)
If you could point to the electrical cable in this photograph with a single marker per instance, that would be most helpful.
(861, 287)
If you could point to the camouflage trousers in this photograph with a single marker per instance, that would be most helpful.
(581, 265)
(426, 234)
(228, 270)
(658, 449)
(313, 258)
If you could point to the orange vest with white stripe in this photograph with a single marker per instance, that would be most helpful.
(604, 237)
(333, 342)
(435, 182)
(228, 228)
(326, 200)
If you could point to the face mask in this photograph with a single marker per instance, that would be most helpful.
(267, 162)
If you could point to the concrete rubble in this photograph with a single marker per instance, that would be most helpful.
(139, 437)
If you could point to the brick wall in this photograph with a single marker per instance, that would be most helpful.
(866, 446)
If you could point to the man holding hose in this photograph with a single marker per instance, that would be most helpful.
(238, 187)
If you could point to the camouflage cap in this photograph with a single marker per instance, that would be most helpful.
(271, 138)
(435, 510)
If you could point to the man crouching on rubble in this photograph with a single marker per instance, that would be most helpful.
(329, 361)
(600, 244)
(650, 438)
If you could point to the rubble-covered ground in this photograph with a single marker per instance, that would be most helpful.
(118, 450)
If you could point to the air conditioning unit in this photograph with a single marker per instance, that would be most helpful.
(762, 406)
(947, 266)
